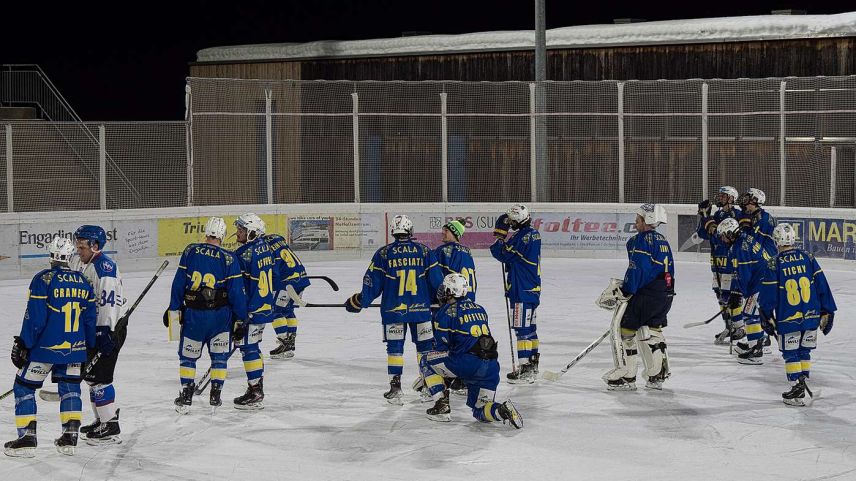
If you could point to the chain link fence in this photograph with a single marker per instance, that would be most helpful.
(268, 141)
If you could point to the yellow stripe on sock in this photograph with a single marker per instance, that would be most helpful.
(523, 345)
(395, 360)
(486, 409)
(433, 380)
(250, 366)
(793, 367)
(292, 322)
(737, 310)
(67, 416)
(753, 328)
(218, 374)
(806, 366)
(23, 421)
(281, 322)
(534, 343)
(187, 372)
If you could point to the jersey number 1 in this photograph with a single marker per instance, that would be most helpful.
(72, 316)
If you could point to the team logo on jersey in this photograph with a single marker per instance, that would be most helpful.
(107, 266)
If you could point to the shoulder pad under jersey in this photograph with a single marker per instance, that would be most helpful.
(47, 276)
(383, 252)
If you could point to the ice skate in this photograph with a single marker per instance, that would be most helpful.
(67, 443)
(753, 356)
(799, 395)
(84, 430)
(621, 384)
(393, 396)
(457, 386)
(106, 433)
(214, 399)
(524, 374)
(185, 399)
(285, 350)
(441, 411)
(508, 412)
(25, 446)
(253, 399)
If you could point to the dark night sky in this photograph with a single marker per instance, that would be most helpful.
(129, 62)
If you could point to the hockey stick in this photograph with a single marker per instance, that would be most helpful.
(511, 333)
(554, 376)
(326, 279)
(701, 323)
(6, 394)
(294, 296)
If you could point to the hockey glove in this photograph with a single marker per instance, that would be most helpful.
(768, 323)
(500, 229)
(354, 303)
(704, 208)
(104, 340)
(239, 331)
(20, 353)
(826, 319)
(172, 316)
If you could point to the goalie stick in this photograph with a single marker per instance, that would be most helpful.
(120, 324)
(701, 323)
(294, 296)
(554, 376)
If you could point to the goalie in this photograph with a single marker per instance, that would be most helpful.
(641, 303)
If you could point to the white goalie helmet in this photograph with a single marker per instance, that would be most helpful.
(729, 227)
(652, 214)
(215, 227)
(454, 286)
(518, 213)
(254, 224)
(61, 250)
(753, 195)
(401, 225)
(724, 193)
(785, 235)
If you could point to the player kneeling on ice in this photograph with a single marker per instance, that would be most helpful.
(464, 348)
(641, 303)
(795, 301)
(59, 325)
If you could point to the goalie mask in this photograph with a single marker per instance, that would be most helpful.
(518, 214)
(455, 286)
(61, 250)
(726, 195)
(784, 235)
(728, 230)
(652, 214)
(215, 227)
(253, 224)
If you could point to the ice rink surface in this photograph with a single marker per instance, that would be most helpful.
(325, 417)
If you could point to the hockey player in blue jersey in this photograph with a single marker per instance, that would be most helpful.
(464, 349)
(290, 271)
(755, 219)
(260, 278)
(207, 291)
(795, 302)
(521, 255)
(647, 289)
(407, 276)
(720, 267)
(106, 281)
(751, 263)
(452, 256)
(59, 325)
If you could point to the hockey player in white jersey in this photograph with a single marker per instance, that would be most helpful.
(103, 274)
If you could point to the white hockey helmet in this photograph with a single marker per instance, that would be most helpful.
(518, 214)
(726, 195)
(652, 214)
(254, 224)
(215, 227)
(753, 195)
(401, 225)
(454, 286)
(784, 234)
(728, 228)
(61, 250)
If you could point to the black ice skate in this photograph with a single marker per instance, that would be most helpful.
(67, 443)
(253, 399)
(89, 427)
(525, 374)
(441, 411)
(285, 350)
(393, 396)
(754, 355)
(214, 399)
(656, 382)
(106, 433)
(509, 413)
(621, 384)
(25, 446)
(799, 395)
(185, 399)
(457, 386)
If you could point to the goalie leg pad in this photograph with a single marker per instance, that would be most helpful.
(655, 356)
(626, 357)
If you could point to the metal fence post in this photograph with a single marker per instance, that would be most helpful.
(621, 142)
(10, 182)
(356, 134)
(444, 145)
(782, 155)
(102, 168)
(188, 139)
(269, 144)
(704, 140)
(833, 161)
(533, 163)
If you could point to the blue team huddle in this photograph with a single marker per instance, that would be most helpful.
(75, 323)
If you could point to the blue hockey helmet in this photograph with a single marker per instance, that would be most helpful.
(92, 233)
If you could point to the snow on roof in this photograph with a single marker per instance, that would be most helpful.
(703, 30)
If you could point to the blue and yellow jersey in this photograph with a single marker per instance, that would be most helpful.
(60, 319)
(260, 277)
(288, 266)
(457, 326)
(718, 249)
(207, 265)
(454, 257)
(796, 292)
(760, 224)
(521, 254)
(650, 259)
(407, 274)
(751, 261)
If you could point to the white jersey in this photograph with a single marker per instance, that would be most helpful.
(103, 274)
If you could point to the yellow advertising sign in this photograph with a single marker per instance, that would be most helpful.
(174, 234)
